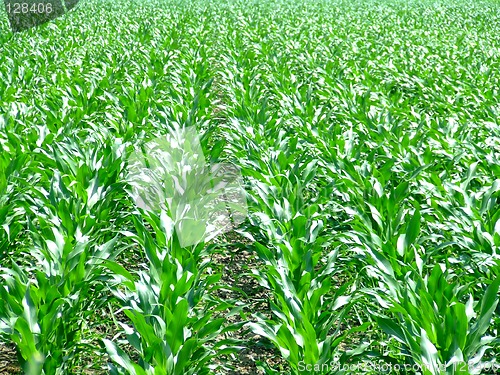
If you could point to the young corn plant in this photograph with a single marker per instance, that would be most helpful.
(43, 308)
(442, 328)
(307, 313)
(56, 286)
(384, 226)
(14, 168)
(471, 217)
(173, 319)
(307, 307)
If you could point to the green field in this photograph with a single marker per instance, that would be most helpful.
(365, 136)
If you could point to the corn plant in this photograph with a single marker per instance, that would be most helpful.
(44, 308)
(173, 321)
(442, 329)
(45, 305)
(14, 167)
(307, 308)
(306, 319)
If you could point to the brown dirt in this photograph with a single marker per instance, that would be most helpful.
(236, 264)
(8, 361)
